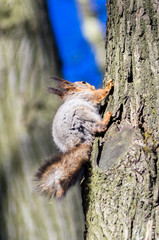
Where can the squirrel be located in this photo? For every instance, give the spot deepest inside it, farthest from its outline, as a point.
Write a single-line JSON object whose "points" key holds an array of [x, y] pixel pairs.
{"points": [[74, 127]]}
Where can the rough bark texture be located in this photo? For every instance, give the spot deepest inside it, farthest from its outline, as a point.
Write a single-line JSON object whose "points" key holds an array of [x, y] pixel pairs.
{"points": [[27, 60], [121, 189]]}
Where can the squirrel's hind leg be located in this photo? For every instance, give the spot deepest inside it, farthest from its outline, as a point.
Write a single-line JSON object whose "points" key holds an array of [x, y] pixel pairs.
{"points": [[102, 125]]}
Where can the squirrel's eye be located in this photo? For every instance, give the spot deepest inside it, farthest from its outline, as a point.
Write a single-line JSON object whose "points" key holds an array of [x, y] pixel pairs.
{"points": [[83, 82]]}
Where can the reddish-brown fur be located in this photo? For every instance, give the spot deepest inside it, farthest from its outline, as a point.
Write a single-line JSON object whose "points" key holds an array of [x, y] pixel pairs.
{"points": [[59, 172], [68, 164]]}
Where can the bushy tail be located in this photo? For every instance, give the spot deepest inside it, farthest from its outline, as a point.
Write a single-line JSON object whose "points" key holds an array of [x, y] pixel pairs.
{"points": [[59, 172]]}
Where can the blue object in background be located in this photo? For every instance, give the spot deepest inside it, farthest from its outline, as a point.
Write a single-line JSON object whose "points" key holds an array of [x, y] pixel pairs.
{"points": [[76, 54], [99, 8]]}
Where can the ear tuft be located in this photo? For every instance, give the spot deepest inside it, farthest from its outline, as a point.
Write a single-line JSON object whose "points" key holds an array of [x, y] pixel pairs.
{"points": [[58, 92], [62, 83]]}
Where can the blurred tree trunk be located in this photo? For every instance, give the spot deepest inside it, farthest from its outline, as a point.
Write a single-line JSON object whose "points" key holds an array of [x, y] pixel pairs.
{"points": [[27, 60], [121, 191]]}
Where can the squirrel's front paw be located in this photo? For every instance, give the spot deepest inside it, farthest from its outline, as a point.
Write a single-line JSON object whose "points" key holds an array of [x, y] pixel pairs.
{"points": [[110, 83]]}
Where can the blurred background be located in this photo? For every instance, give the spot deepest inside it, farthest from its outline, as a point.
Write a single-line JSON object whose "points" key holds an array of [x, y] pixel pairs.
{"points": [[39, 39], [79, 29]]}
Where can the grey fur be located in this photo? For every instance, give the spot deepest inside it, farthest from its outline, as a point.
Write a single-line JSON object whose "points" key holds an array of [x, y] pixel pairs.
{"points": [[75, 123]]}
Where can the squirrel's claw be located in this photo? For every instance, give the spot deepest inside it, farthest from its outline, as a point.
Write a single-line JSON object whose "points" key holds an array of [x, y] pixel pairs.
{"points": [[110, 83]]}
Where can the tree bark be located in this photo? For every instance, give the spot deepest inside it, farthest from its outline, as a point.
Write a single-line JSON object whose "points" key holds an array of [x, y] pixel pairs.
{"points": [[27, 60], [121, 189]]}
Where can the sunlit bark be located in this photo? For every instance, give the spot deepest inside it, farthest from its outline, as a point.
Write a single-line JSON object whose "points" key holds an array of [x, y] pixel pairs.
{"points": [[121, 191]]}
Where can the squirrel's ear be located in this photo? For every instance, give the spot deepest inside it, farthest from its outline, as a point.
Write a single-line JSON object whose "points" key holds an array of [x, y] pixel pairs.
{"points": [[62, 83], [58, 92]]}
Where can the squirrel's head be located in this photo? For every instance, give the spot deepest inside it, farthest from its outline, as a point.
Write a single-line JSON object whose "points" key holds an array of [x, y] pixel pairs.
{"points": [[67, 89]]}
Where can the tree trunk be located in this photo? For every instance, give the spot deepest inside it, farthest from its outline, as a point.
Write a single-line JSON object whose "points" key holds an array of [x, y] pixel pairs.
{"points": [[27, 60], [121, 189]]}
